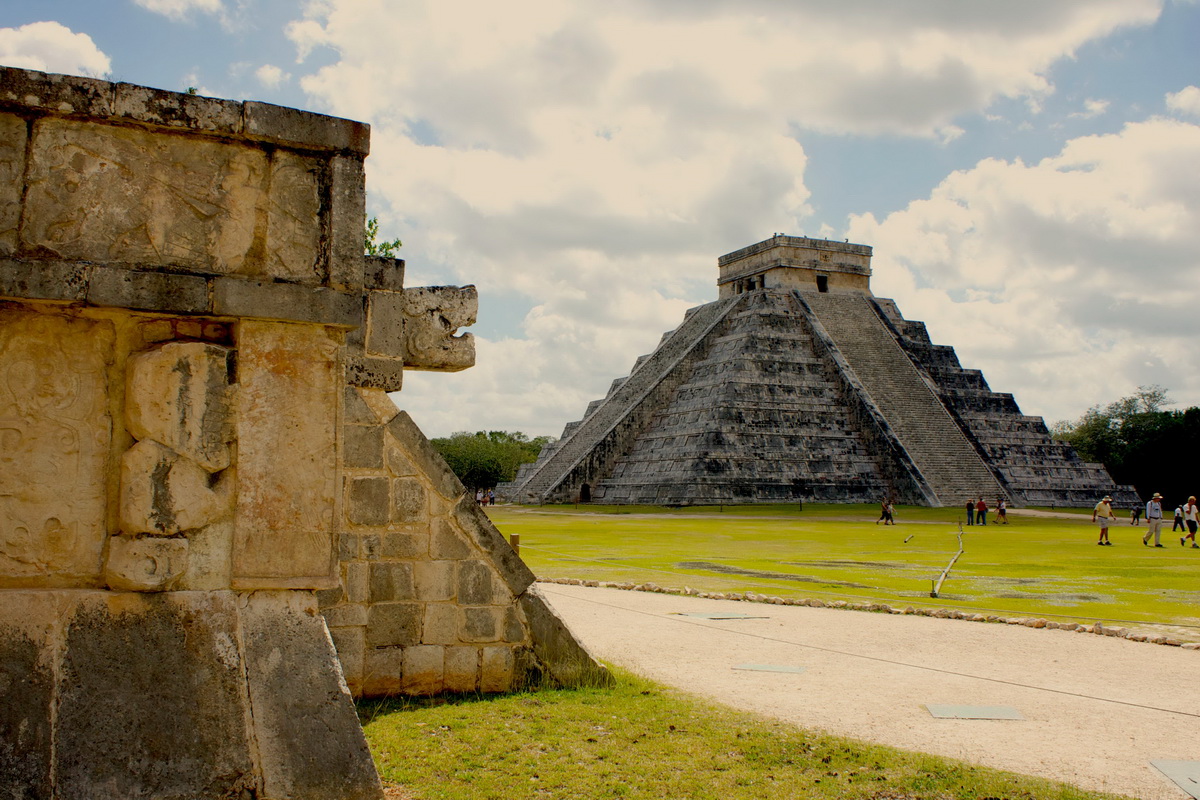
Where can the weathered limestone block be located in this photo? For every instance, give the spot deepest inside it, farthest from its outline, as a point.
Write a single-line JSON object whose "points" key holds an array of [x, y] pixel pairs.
{"points": [[179, 395], [12, 165], [497, 669], [151, 701], [560, 653], [431, 316], [308, 735], [55, 432], [422, 669], [408, 500], [394, 624], [147, 564], [460, 669], [368, 501], [26, 703], [162, 493], [288, 389]]}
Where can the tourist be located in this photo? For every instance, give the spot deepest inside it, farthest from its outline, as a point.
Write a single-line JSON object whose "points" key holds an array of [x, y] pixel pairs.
{"points": [[479, 497], [883, 511], [1136, 516], [971, 511], [491, 497], [1001, 511], [981, 512], [1189, 515], [1153, 519], [890, 513], [1103, 516], [1178, 526]]}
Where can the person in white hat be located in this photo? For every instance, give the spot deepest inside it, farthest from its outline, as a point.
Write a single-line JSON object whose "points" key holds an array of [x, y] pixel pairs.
{"points": [[1154, 520], [1103, 516]]}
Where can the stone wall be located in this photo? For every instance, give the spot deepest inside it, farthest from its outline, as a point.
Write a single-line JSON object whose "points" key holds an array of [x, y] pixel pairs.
{"points": [[198, 455]]}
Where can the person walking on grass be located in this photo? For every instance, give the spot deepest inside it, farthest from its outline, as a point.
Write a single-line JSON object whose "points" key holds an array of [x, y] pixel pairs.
{"points": [[1190, 513], [1001, 512], [1136, 516], [1103, 516], [971, 511], [1178, 526], [1153, 519], [981, 512]]}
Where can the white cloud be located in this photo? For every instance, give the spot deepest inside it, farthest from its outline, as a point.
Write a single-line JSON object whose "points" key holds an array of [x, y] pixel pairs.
{"points": [[1091, 108], [592, 161], [52, 47], [181, 9], [1185, 101], [271, 76], [1071, 281]]}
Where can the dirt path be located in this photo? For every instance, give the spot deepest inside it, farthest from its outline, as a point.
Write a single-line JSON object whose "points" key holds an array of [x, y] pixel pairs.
{"points": [[1096, 709]]}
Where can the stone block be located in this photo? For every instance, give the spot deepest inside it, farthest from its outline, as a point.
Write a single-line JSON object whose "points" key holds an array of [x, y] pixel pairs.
{"points": [[404, 545], [150, 291], [346, 615], [251, 299], [179, 395], [475, 584], [391, 580], [328, 598], [367, 501], [159, 674], [294, 237], [357, 582], [382, 668], [509, 566], [163, 493], [480, 624], [44, 280], [398, 462], [460, 669], [372, 546], [434, 580], [432, 315], [348, 546], [28, 622], [291, 126], [422, 672], [394, 624], [148, 564], [383, 273], [428, 462], [350, 644], [515, 629], [386, 374], [176, 110], [385, 324], [309, 740], [12, 179], [441, 624], [408, 500], [288, 390], [347, 219], [55, 435], [60, 94], [560, 654], [355, 410], [381, 405], [362, 447], [497, 669], [115, 194], [446, 542]]}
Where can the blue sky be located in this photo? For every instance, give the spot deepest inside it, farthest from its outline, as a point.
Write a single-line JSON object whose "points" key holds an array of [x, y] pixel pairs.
{"points": [[1026, 171]]}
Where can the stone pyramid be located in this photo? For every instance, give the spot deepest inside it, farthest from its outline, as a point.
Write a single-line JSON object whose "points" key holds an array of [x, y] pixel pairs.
{"points": [[797, 384]]}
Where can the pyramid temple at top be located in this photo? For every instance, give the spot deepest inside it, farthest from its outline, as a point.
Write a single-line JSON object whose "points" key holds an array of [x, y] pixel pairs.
{"points": [[797, 384]]}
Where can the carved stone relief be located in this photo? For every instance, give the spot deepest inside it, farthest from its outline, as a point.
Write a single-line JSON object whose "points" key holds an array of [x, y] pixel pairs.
{"points": [[54, 440]]}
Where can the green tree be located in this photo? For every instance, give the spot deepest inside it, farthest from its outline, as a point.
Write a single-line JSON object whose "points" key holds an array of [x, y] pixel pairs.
{"points": [[373, 246], [485, 458], [1140, 442]]}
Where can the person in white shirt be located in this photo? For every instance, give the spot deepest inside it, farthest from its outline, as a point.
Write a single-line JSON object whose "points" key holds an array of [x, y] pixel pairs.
{"points": [[1154, 520], [1190, 513]]}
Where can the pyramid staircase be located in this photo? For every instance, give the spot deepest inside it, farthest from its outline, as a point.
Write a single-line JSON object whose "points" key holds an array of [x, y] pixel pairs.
{"points": [[947, 462]]}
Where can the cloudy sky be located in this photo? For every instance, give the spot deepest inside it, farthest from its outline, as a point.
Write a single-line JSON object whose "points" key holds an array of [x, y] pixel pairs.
{"points": [[1028, 172]]}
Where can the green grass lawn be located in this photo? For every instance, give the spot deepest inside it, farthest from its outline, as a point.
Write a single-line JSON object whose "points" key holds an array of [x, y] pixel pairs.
{"points": [[640, 740], [1035, 566]]}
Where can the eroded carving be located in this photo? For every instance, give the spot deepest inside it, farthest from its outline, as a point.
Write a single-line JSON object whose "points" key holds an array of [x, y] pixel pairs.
{"points": [[432, 314], [54, 438]]}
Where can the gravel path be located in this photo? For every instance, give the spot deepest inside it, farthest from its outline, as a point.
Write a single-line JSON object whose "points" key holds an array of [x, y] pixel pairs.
{"points": [[1096, 709]]}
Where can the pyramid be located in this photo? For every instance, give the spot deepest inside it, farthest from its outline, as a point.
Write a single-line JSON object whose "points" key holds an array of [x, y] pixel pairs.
{"points": [[799, 385]]}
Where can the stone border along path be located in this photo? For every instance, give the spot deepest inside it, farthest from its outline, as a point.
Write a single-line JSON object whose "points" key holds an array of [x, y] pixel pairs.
{"points": [[883, 608], [1097, 709]]}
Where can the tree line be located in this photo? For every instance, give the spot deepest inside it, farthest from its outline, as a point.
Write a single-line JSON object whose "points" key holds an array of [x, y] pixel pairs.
{"points": [[485, 458], [1140, 442]]}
